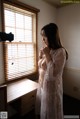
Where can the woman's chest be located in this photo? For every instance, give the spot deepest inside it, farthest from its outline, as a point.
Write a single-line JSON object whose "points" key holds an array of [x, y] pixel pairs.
{"points": [[42, 63]]}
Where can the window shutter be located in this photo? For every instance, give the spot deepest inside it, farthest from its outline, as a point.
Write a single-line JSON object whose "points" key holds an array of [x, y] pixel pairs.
{"points": [[20, 54]]}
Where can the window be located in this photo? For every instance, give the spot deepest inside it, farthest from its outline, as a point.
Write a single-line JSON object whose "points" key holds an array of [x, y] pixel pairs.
{"points": [[20, 54]]}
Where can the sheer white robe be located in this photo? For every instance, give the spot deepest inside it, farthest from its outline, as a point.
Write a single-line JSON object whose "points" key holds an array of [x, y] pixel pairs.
{"points": [[49, 99]]}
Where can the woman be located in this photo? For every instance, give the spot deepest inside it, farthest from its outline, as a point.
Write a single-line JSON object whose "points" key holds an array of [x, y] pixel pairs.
{"points": [[52, 59]]}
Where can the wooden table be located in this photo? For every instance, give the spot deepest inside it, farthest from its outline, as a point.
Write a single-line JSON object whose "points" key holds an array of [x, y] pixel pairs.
{"points": [[23, 91], [20, 88]]}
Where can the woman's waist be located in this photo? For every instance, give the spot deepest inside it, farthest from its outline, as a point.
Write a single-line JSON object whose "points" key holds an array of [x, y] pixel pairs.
{"points": [[41, 72]]}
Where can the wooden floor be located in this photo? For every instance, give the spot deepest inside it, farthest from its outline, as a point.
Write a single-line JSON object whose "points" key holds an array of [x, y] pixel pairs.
{"points": [[71, 106]]}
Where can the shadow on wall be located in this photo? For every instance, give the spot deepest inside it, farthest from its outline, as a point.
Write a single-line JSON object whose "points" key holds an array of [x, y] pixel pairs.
{"points": [[71, 82]]}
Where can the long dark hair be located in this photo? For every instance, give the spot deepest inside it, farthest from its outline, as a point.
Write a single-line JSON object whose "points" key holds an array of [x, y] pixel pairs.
{"points": [[51, 30]]}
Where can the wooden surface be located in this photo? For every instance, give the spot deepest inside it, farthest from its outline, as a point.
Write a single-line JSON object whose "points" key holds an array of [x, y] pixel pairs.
{"points": [[28, 102], [3, 98], [20, 88]]}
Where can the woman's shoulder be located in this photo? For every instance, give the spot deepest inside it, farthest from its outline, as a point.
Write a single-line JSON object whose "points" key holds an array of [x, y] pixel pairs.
{"points": [[59, 50], [62, 49]]}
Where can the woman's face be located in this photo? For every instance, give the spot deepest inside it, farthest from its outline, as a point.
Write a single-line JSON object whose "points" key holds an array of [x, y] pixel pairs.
{"points": [[44, 38]]}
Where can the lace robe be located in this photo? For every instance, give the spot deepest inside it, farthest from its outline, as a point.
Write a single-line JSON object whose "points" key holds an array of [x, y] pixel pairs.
{"points": [[49, 99]]}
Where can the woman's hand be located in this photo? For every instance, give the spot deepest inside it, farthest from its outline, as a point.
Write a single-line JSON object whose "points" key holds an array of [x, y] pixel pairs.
{"points": [[40, 53], [46, 50]]}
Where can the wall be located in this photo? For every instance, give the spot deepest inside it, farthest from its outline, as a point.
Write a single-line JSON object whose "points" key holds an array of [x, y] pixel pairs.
{"points": [[68, 20], [1, 55], [47, 14]]}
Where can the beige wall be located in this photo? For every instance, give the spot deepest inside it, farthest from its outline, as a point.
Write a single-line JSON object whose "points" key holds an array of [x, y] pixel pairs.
{"points": [[68, 20]]}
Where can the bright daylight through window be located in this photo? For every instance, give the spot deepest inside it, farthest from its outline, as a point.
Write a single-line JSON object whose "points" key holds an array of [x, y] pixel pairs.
{"points": [[20, 54]]}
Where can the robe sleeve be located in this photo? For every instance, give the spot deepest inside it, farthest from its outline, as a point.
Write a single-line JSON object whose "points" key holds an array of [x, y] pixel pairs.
{"points": [[56, 65]]}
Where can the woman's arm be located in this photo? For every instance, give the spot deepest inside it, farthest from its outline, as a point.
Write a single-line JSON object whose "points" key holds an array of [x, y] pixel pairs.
{"points": [[46, 51], [55, 65], [40, 54]]}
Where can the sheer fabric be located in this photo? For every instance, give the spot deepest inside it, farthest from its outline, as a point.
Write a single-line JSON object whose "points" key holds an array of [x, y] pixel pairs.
{"points": [[49, 99]]}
